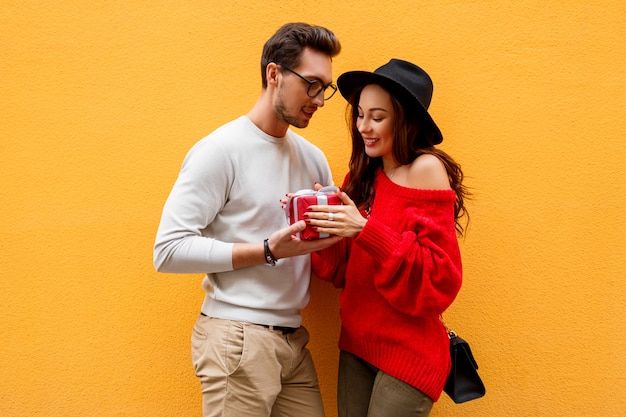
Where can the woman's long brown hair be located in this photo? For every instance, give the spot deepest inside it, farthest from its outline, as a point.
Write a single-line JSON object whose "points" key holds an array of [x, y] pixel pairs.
{"points": [[408, 144]]}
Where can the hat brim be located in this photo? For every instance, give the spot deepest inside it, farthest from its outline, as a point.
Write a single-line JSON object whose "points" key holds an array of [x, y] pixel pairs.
{"points": [[351, 82]]}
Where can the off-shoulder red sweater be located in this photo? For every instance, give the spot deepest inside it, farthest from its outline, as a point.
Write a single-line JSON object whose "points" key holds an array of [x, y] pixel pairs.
{"points": [[397, 276]]}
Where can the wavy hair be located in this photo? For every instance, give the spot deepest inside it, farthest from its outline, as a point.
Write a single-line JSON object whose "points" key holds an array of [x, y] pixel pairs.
{"points": [[410, 141]]}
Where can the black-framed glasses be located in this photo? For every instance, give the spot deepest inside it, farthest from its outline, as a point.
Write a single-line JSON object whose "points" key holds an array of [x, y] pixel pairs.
{"points": [[316, 86]]}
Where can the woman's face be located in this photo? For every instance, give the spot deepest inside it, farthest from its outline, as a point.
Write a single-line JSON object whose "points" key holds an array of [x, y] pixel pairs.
{"points": [[375, 122]]}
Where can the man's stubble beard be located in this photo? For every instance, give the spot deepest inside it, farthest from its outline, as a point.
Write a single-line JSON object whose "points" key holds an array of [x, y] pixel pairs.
{"points": [[282, 113]]}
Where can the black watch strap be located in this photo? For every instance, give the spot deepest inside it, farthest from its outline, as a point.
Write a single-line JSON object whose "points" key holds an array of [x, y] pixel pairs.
{"points": [[269, 258]]}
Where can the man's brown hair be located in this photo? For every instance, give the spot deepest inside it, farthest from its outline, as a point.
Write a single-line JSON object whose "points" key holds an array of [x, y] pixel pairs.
{"points": [[285, 47]]}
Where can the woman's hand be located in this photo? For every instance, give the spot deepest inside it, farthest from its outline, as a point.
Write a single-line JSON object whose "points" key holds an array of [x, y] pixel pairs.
{"points": [[345, 220]]}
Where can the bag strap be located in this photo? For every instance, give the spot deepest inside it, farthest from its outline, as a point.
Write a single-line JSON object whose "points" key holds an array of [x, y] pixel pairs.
{"points": [[451, 333]]}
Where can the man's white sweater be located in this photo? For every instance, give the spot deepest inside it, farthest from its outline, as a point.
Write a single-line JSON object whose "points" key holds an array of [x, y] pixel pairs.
{"points": [[228, 191]]}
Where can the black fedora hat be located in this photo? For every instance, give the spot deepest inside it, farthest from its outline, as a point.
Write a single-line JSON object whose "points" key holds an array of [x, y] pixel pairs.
{"points": [[405, 81]]}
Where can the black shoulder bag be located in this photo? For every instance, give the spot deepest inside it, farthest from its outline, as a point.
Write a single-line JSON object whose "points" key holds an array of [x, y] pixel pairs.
{"points": [[464, 383]]}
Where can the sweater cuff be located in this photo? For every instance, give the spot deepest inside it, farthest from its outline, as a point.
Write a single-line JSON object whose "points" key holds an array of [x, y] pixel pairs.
{"points": [[378, 239], [329, 264]]}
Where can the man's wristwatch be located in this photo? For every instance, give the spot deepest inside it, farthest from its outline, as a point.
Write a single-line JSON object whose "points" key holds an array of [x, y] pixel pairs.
{"points": [[269, 258]]}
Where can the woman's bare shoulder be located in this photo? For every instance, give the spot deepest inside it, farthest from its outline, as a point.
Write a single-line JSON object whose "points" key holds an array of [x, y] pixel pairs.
{"points": [[428, 172]]}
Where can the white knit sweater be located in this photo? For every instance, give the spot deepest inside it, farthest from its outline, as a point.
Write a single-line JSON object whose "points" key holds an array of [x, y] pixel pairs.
{"points": [[228, 191]]}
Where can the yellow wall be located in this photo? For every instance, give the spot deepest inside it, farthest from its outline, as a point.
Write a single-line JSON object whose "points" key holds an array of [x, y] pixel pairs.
{"points": [[100, 100]]}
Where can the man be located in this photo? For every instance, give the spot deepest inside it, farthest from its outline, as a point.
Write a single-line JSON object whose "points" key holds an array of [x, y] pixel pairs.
{"points": [[223, 218]]}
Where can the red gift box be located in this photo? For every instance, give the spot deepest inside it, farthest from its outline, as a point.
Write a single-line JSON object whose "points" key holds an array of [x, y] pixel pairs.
{"points": [[301, 200]]}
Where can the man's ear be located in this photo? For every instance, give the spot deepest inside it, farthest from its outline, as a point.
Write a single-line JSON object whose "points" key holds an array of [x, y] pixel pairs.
{"points": [[271, 74]]}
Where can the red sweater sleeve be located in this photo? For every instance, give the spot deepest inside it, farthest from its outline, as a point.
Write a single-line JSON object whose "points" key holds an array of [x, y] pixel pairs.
{"points": [[416, 259], [330, 264]]}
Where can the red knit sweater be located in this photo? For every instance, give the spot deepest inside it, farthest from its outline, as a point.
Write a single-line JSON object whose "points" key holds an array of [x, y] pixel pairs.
{"points": [[398, 275]]}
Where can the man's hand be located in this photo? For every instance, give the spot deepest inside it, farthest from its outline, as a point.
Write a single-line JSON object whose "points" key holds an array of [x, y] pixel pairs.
{"points": [[284, 243]]}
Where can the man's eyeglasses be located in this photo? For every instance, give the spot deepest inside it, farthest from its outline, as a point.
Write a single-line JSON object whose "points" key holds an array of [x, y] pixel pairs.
{"points": [[316, 86]]}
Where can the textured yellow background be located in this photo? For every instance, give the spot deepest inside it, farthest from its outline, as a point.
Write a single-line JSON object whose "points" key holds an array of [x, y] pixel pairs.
{"points": [[100, 101]]}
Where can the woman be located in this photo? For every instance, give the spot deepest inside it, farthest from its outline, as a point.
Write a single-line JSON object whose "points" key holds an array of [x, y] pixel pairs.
{"points": [[400, 266]]}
